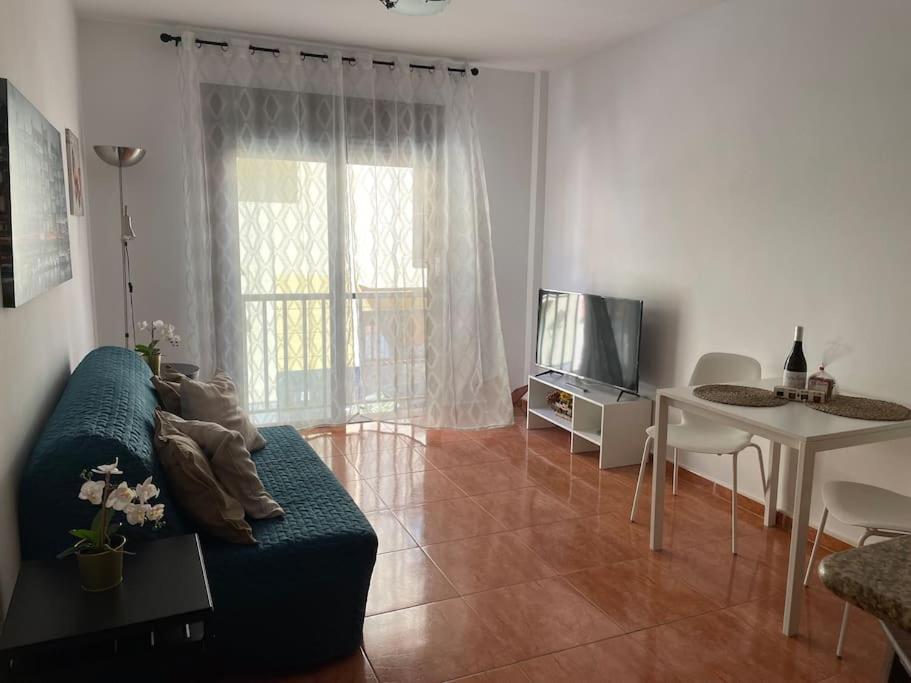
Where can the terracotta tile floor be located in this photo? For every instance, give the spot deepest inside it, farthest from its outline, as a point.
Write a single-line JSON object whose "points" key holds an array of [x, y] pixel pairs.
{"points": [[504, 559]]}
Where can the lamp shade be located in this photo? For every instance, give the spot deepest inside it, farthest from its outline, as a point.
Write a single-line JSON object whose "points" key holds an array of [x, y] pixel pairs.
{"points": [[124, 157]]}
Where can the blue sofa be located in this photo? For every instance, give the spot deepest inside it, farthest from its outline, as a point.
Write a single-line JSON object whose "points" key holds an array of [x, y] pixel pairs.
{"points": [[296, 598]]}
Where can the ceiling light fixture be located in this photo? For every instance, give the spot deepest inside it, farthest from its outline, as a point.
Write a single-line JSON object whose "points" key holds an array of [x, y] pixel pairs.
{"points": [[416, 8]]}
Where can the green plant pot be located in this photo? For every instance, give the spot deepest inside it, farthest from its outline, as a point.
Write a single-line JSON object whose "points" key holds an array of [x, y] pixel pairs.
{"points": [[101, 571], [154, 362]]}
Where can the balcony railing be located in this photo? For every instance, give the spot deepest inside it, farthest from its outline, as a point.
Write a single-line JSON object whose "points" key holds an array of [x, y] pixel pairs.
{"points": [[291, 353]]}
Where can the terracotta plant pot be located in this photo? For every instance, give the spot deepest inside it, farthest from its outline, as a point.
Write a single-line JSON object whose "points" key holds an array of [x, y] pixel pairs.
{"points": [[101, 571]]}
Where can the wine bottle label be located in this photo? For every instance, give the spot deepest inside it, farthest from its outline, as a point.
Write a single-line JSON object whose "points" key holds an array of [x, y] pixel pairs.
{"points": [[795, 380]]}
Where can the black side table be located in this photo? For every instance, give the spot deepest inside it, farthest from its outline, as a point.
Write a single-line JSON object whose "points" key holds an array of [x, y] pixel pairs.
{"points": [[164, 586], [188, 369]]}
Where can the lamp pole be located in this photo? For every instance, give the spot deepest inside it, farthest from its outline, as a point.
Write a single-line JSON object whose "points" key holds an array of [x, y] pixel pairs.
{"points": [[123, 157]]}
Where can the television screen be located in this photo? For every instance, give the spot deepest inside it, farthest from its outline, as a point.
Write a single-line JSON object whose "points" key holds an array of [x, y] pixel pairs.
{"points": [[591, 337]]}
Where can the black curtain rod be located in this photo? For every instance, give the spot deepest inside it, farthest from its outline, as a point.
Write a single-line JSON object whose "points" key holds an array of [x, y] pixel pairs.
{"points": [[168, 38]]}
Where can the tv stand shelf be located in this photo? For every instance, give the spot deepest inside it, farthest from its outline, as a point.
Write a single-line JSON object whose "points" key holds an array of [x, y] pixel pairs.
{"points": [[604, 419]]}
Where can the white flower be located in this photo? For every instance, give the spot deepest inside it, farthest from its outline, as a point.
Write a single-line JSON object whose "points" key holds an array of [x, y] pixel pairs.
{"points": [[158, 325], [136, 514], [144, 325], [108, 469], [92, 491], [146, 491], [170, 330], [121, 497], [155, 513]]}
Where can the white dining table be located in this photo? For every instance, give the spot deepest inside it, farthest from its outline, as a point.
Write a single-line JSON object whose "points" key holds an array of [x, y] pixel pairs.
{"points": [[795, 425]]}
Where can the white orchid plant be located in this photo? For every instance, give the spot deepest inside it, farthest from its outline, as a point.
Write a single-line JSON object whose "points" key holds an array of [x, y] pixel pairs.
{"points": [[134, 503], [158, 331]]}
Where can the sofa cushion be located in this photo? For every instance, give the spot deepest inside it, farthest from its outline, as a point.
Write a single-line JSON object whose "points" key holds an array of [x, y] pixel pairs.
{"points": [[217, 401], [232, 465], [168, 389], [310, 571], [197, 491], [106, 411]]}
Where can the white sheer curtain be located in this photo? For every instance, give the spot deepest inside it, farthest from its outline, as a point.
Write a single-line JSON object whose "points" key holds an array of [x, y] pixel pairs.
{"points": [[338, 238]]}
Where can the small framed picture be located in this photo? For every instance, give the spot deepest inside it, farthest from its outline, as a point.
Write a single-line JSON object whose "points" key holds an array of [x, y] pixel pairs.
{"points": [[74, 175]]}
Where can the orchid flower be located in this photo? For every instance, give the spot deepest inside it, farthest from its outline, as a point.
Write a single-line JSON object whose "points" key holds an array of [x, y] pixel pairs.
{"points": [[155, 513], [92, 491], [108, 469], [120, 497], [159, 330], [136, 513], [146, 491], [133, 503]]}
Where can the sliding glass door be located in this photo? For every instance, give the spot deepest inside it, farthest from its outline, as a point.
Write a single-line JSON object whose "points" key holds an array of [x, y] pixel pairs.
{"points": [[333, 290]]}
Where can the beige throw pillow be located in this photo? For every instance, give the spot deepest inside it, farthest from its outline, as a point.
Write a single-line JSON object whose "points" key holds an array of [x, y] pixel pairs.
{"points": [[194, 485], [216, 401], [168, 388], [233, 466]]}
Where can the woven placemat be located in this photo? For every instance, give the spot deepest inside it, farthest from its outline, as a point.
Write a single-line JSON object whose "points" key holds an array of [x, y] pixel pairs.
{"points": [[736, 395], [863, 409]]}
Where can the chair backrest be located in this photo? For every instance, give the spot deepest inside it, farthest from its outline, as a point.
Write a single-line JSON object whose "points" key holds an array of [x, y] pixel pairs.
{"points": [[716, 368]]}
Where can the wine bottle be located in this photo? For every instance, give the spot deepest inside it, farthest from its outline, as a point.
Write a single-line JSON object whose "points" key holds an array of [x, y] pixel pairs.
{"points": [[795, 367]]}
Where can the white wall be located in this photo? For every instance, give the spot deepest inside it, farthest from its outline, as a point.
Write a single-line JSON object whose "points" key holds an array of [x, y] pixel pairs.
{"points": [[743, 170], [130, 98], [505, 102], [41, 341], [130, 92]]}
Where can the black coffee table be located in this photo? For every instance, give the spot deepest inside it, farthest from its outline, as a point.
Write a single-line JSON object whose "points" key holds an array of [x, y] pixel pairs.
{"points": [[164, 587]]}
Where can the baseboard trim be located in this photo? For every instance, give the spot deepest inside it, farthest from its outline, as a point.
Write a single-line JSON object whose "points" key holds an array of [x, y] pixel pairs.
{"points": [[782, 519]]}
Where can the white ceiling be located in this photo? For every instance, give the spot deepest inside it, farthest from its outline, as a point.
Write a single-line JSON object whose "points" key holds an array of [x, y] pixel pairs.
{"points": [[531, 34]]}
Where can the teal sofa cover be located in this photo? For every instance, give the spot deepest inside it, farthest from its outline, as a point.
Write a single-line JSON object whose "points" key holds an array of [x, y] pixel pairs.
{"points": [[296, 598]]}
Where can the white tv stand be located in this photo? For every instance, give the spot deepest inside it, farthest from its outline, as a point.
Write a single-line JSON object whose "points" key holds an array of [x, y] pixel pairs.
{"points": [[615, 428]]}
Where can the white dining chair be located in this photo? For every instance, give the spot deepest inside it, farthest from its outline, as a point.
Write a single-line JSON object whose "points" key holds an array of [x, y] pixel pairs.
{"points": [[702, 435], [879, 512]]}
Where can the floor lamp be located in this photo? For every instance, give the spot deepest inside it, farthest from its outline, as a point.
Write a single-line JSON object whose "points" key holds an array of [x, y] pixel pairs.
{"points": [[124, 157]]}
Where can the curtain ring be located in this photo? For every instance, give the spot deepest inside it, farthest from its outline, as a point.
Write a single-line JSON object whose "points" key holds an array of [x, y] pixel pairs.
{"points": [[325, 59], [252, 51], [224, 48], [392, 66]]}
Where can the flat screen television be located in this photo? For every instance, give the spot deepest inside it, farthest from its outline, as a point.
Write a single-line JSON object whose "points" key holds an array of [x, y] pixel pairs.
{"points": [[590, 337]]}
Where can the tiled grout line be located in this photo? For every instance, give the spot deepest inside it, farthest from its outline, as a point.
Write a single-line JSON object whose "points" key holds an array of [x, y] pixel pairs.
{"points": [[550, 495], [729, 609], [552, 652], [457, 596], [404, 528], [471, 498], [563, 576]]}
